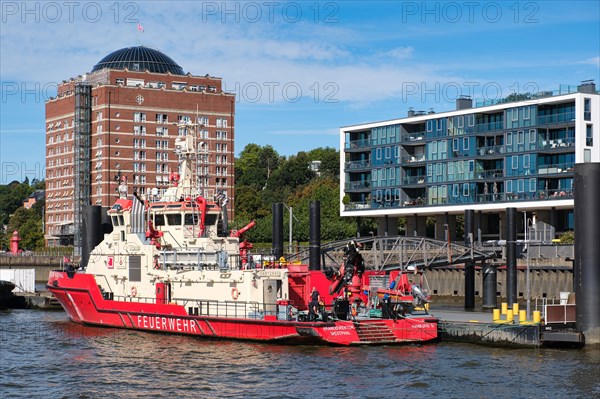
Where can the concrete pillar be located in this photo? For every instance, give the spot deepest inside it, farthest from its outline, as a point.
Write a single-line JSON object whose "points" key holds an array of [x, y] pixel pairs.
{"points": [[416, 226], [387, 226], [440, 228]]}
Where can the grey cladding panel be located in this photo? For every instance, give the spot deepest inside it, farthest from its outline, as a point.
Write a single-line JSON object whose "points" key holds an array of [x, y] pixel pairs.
{"points": [[135, 268]]}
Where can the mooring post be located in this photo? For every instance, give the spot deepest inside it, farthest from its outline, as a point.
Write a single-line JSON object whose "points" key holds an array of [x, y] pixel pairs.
{"points": [[511, 255], [470, 264], [586, 270]]}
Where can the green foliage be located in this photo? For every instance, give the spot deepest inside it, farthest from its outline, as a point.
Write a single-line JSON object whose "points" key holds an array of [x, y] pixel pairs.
{"points": [[28, 222], [567, 237], [11, 198], [29, 225], [264, 178], [254, 166]]}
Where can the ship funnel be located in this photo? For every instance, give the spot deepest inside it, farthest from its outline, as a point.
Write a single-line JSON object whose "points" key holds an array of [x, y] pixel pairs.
{"points": [[92, 231]]}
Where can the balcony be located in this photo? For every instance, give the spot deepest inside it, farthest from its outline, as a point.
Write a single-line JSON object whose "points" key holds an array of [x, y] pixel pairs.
{"points": [[417, 137], [413, 158], [358, 145], [357, 206], [557, 143], [556, 118], [358, 185], [490, 174], [354, 165], [556, 168], [492, 150], [489, 126], [412, 180]]}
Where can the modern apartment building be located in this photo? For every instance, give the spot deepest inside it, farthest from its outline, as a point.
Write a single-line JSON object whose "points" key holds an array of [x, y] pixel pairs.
{"points": [[518, 153], [120, 121]]}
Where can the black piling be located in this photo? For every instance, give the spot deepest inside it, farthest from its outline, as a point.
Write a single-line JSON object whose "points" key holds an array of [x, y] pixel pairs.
{"points": [[490, 286], [315, 236], [278, 230], [511, 255], [586, 270], [93, 233], [470, 264]]}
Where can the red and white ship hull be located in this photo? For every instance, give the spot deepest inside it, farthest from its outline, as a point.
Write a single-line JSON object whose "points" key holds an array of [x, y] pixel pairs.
{"points": [[79, 295]]}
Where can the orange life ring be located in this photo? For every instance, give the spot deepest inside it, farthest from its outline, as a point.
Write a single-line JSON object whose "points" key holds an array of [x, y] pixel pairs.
{"points": [[133, 291], [235, 294]]}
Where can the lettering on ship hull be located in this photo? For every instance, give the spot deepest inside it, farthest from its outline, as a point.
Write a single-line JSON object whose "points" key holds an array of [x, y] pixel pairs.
{"points": [[162, 323]]}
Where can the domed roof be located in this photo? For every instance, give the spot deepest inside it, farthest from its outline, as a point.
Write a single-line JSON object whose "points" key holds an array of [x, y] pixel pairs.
{"points": [[139, 58]]}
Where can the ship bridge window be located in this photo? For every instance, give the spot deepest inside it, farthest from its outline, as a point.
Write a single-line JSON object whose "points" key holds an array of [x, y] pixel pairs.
{"points": [[190, 219], [115, 221], [211, 219], [174, 219], [159, 220]]}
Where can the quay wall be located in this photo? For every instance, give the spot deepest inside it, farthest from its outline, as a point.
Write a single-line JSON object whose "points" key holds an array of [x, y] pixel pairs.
{"points": [[42, 264], [544, 282]]}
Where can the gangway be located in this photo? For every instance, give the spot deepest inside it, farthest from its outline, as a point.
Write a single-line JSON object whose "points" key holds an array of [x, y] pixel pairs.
{"points": [[400, 253]]}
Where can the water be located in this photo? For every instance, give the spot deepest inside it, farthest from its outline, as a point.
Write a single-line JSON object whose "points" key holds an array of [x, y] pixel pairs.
{"points": [[43, 355]]}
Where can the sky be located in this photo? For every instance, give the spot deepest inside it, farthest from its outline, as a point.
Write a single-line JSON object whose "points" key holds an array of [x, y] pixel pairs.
{"points": [[300, 69]]}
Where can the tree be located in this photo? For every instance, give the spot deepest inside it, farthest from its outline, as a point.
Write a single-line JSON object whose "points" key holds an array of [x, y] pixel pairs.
{"points": [[28, 223], [293, 173], [255, 166], [330, 160], [11, 198]]}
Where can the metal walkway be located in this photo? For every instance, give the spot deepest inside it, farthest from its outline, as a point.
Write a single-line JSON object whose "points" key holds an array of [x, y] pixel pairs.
{"points": [[401, 253]]}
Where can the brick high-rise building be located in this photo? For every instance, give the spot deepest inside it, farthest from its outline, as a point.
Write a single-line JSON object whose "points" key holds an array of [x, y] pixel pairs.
{"points": [[122, 119]]}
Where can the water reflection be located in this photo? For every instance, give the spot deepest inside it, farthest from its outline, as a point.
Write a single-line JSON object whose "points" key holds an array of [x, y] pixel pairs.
{"points": [[44, 355]]}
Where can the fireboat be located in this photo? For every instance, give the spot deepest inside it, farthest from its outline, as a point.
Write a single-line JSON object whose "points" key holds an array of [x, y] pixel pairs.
{"points": [[170, 266]]}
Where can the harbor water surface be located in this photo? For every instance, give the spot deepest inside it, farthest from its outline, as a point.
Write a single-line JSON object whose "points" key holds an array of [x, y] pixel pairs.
{"points": [[44, 355]]}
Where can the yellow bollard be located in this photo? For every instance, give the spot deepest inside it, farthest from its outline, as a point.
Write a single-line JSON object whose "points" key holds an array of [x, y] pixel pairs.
{"points": [[537, 316], [509, 317], [515, 309], [504, 307], [522, 316], [496, 315]]}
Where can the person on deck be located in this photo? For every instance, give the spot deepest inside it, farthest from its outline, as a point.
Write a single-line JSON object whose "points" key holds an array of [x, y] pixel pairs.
{"points": [[313, 305]]}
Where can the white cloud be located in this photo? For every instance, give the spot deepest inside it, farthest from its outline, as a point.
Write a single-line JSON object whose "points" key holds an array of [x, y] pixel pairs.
{"points": [[595, 61]]}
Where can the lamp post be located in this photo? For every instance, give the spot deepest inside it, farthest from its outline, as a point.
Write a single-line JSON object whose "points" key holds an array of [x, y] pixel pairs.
{"points": [[289, 208]]}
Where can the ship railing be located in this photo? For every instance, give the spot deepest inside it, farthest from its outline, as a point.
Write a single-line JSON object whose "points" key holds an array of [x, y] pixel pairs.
{"points": [[236, 309]]}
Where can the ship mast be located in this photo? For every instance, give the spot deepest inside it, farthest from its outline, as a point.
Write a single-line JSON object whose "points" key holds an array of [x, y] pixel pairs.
{"points": [[186, 183]]}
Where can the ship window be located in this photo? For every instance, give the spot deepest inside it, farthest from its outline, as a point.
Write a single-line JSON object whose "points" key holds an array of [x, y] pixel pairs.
{"points": [[174, 219], [211, 219], [159, 220], [190, 219], [115, 221], [121, 221]]}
